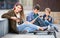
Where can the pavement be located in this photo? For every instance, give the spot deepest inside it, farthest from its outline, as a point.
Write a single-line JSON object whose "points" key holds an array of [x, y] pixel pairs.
{"points": [[31, 35], [27, 36]]}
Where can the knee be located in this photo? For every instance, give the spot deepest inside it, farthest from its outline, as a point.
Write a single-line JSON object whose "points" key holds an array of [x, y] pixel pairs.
{"points": [[25, 31]]}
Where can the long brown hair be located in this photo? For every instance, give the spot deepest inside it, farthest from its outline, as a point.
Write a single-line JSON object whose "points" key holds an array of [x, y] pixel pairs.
{"points": [[22, 16]]}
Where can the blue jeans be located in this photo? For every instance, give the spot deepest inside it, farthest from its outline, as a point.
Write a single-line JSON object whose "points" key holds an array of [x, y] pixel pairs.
{"points": [[41, 22], [46, 23], [28, 27], [53, 25]]}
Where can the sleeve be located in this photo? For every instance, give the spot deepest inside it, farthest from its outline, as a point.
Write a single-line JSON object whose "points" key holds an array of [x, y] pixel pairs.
{"points": [[43, 17], [28, 18], [51, 21], [6, 15]]}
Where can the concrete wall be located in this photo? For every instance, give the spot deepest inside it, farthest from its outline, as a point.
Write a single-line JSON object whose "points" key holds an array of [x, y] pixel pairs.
{"points": [[3, 27]]}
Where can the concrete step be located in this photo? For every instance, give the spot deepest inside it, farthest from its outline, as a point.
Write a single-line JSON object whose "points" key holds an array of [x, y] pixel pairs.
{"points": [[27, 36]]}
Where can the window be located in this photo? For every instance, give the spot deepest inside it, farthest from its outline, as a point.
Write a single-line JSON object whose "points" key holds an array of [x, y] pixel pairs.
{"points": [[7, 4]]}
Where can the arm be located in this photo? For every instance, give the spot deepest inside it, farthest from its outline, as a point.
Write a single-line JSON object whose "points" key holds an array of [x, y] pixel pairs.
{"points": [[6, 15], [33, 21], [9, 15], [50, 20], [29, 18]]}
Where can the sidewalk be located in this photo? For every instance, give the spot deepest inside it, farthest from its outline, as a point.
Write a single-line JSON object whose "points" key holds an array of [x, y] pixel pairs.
{"points": [[27, 36], [31, 35]]}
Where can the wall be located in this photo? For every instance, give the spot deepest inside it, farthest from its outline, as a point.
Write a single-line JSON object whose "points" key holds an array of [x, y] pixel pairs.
{"points": [[53, 4]]}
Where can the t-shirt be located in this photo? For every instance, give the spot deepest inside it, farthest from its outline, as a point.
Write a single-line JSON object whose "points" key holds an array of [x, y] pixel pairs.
{"points": [[35, 15], [18, 16]]}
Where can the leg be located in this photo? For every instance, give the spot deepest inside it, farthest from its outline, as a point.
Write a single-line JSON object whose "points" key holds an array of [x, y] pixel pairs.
{"points": [[33, 26], [23, 26], [28, 29], [55, 27], [43, 23]]}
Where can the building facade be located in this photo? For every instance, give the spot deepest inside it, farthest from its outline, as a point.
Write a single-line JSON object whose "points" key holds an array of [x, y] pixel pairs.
{"points": [[28, 4], [52, 4], [8, 4]]}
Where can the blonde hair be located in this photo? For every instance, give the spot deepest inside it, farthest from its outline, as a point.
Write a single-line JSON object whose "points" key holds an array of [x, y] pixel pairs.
{"points": [[48, 9]]}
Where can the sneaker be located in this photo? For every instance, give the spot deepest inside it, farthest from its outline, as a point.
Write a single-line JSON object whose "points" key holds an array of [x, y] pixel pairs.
{"points": [[56, 29]]}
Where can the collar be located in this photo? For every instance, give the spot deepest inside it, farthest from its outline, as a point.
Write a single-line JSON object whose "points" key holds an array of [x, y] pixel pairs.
{"points": [[33, 13]]}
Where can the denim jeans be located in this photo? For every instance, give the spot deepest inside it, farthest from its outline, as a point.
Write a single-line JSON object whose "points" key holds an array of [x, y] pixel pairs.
{"points": [[28, 27], [46, 24], [41, 22]]}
